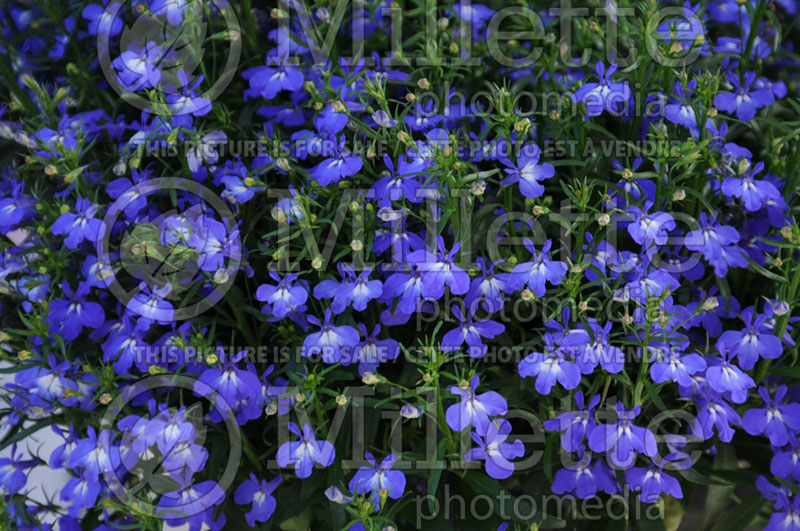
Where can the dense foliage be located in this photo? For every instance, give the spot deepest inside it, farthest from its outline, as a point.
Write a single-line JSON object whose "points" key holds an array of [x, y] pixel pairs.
{"points": [[400, 265]]}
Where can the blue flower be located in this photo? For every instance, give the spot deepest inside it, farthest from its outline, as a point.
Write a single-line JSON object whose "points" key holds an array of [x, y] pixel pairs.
{"points": [[234, 386], [574, 426], [776, 420], [724, 377], [470, 332], [743, 101], [305, 452], [379, 477], [605, 94], [15, 208], [333, 169], [534, 274], [652, 481], [371, 352], [474, 409], [70, 315], [12, 471], [710, 238], [494, 451], [623, 439], [79, 227], [670, 364], [551, 366], [646, 229], [528, 172], [81, 493], [260, 495], [284, 296], [786, 463], [714, 412], [330, 340], [599, 351], [752, 342], [753, 193], [489, 288], [267, 81], [585, 479], [100, 22]]}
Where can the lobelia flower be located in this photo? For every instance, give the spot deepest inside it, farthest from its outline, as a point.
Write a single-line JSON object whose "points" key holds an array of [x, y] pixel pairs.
{"points": [[12, 471], [305, 452], [670, 364], [237, 183], [678, 111], [652, 481], [205, 150], [494, 451], [528, 172], [470, 332], [713, 411], [284, 296], [785, 463], [122, 345], [574, 426], [724, 377], [786, 513], [534, 274], [646, 229], [267, 81], [15, 208], [231, 384], [379, 477], [70, 315], [776, 421], [171, 9], [354, 289], [335, 495], [550, 367], [397, 184], [100, 21], [489, 288], [752, 342], [473, 409], [441, 268], [743, 101], [79, 227], [753, 193], [342, 164], [260, 495], [371, 352], [138, 66], [410, 412], [605, 94], [383, 119], [95, 454], [81, 493], [411, 288], [330, 340], [599, 351], [710, 238], [623, 439], [192, 504], [585, 479], [150, 304]]}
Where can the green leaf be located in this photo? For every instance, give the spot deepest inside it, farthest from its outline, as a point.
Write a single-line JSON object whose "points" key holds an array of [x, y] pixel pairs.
{"points": [[741, 516], [436, 473]]}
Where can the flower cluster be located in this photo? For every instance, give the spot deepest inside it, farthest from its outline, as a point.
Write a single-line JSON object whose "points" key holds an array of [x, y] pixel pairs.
{"points": [[335, 258]]}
